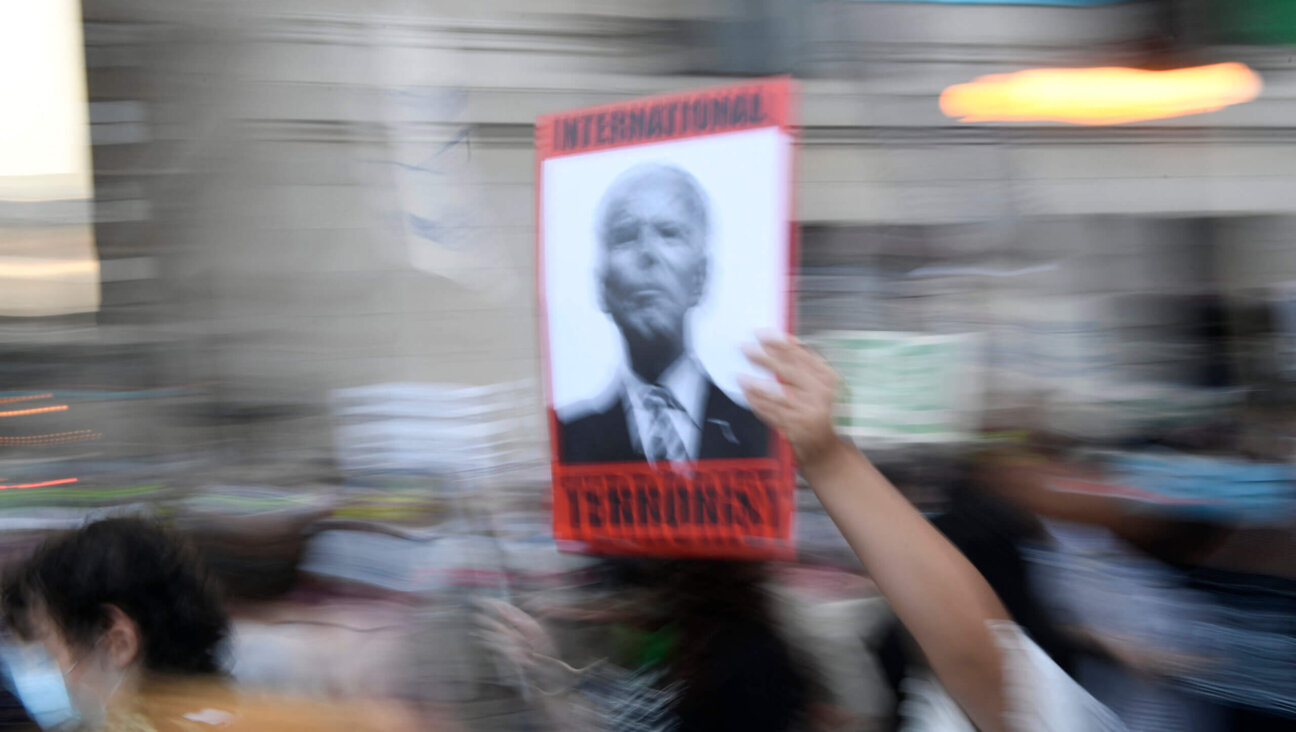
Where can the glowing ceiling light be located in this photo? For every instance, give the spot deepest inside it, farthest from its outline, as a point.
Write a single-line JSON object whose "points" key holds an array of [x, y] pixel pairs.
{"points": [[1100, 96]]}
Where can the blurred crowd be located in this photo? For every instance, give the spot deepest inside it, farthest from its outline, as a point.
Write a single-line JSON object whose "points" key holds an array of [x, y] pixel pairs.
{"points": [[272, 441]]}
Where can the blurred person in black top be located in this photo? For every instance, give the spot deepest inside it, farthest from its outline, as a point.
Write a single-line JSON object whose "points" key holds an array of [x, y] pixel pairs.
{"points": [[705, 654], [736, 669]]}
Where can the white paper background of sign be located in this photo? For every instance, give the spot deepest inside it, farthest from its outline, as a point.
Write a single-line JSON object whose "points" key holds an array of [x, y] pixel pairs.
{"points": [[746, 176]]}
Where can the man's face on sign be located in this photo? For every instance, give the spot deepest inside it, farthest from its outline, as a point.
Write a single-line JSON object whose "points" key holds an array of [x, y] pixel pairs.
{"points": [[654, 262]]}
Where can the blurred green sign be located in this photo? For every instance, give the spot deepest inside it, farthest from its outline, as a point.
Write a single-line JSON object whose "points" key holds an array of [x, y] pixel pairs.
{"points": [[908, 387]]}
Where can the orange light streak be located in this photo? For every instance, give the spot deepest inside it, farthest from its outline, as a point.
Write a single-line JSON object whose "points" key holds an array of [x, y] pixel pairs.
{"points": [[28, 398], [37, 410], [25, 486]]}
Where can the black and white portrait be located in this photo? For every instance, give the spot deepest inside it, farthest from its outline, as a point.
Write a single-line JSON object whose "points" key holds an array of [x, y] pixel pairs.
{"points": [[660, 262]]}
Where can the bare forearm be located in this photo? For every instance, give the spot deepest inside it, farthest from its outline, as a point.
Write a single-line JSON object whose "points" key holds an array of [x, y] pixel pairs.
{"points": [[939, 596], [934, 590]]}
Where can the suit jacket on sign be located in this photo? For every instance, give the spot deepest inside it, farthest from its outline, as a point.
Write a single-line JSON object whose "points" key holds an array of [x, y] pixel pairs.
{"points": [[728, 432]]}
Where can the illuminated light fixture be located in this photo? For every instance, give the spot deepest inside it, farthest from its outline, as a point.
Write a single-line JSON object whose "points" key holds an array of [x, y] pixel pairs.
{"points": [[37, 410], [27, 398], [38, 268], [1100, 96], [25, 486]]}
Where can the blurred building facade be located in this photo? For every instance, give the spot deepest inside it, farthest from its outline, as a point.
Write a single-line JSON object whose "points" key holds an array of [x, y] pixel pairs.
{"points": [[300, 196]]}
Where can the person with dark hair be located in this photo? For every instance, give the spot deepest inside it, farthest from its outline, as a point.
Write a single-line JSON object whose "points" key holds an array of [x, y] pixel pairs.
{"points": [[702, 651], [125, 632], [115, 603], [736, 668]]}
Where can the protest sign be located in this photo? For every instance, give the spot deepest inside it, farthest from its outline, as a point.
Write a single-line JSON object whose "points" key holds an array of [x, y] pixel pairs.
{"points": [[665, 242]]}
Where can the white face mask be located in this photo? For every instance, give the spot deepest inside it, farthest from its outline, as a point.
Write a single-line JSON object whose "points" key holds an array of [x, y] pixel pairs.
{"points": [[90, 702], [35, 678]]}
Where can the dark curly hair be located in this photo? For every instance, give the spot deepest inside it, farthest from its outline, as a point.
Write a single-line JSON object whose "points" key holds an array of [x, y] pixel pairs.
{"points": [[141, 569]]}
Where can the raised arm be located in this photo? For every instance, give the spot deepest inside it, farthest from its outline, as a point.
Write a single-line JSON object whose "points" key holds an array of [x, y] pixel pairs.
{"points": [[938, 595]]}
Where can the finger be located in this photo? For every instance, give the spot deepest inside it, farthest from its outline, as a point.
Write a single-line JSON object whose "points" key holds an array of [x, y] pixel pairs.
{"points": [[820, 367], [773, 410], [775, 362], [770, 334], [501, 643], [757, 354], [815, 371], [508, 612], [512, 653], [495, 627], [488, 605], [540, 604], [496, 623], [770, 416], [798, 354], [787, 359], [770, 390], [497, 640]]}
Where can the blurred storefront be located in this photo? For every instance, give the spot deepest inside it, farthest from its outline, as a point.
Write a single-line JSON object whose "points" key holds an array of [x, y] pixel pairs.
{"points": [[328, 196]]}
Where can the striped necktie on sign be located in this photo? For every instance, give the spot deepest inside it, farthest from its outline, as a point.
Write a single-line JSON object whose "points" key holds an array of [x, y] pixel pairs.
{"points": [[663, 441]]}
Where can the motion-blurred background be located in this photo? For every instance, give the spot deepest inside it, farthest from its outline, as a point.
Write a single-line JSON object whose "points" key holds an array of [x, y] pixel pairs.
{"points": [[285, 298]]}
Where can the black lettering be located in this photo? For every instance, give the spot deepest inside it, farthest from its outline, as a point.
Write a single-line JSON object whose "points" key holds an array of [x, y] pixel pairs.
{"points": [[586, 121], [738, 111], [602, 125], [614, 507], [654, 121], [649, 501], [618, 126], [670, 117], [752, 515], [726, 513], [670, 509], [627, 506], [592, 502], [571, 486], [652, 511], [700, 120], [712, 505], [682, 501], [704, 503], [720, 111], [757, 114], [620, 504], [635, 124], [570, 132]]}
